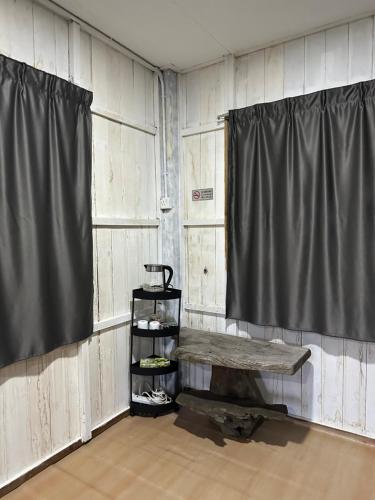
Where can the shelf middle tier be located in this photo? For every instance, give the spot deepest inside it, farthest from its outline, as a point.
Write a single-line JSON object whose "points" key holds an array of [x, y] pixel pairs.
{"points": [[165, 332], [136, 369]]}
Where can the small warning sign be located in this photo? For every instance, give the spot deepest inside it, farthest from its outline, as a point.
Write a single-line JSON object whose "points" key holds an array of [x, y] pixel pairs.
{"points": [[202, 194]]}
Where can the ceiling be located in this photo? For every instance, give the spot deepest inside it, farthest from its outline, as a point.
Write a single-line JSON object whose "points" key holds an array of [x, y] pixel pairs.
{"points": [[180, 34]]}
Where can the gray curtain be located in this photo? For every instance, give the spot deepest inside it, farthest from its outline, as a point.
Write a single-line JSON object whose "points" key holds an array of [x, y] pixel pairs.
{"points": [[46, 277], [301, 213]]}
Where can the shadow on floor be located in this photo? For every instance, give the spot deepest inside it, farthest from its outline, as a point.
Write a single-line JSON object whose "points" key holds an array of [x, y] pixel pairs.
{"points": [[271, 432]]}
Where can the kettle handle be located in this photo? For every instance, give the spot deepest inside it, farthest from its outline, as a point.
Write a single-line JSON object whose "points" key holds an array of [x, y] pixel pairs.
{"points": [[170, 270]]}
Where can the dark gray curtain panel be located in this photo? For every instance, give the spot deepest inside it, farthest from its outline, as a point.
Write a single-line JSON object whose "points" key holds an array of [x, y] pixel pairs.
{"points": [[46, 277], [301, 213]]}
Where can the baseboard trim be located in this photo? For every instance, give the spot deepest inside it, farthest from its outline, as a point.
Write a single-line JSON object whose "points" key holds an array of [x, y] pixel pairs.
{"points": [[15, 483]]}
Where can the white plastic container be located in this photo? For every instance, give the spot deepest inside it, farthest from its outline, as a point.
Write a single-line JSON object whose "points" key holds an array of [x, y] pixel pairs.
{"points": [[142, 324]]}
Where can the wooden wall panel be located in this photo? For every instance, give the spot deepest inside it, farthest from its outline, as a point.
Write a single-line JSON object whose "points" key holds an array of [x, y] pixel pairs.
{"points": [[333, 386], [41, 398], [125, 187]]}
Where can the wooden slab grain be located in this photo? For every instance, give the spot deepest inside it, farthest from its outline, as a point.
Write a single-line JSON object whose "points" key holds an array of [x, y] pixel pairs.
{"points": [[218, 349]]}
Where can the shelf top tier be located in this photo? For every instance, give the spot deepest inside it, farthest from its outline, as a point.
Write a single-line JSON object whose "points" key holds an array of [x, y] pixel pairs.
{"points": [[169, 294]]}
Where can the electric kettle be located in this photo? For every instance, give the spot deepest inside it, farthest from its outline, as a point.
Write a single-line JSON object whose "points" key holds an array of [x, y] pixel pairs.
{"points": [[156, 279]]}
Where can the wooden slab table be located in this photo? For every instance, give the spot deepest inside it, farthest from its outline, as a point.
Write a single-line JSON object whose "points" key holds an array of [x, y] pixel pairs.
{"points": [[234, 401]]}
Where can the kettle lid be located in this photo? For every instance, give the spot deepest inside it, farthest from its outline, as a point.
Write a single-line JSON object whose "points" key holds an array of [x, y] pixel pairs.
{"points": [[154, 268]]}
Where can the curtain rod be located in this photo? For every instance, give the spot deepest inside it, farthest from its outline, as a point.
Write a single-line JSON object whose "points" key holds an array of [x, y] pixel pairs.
{"points": [[223, 116]]}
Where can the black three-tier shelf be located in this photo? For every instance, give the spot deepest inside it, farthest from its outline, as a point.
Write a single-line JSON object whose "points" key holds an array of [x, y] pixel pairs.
{"points": [[143, 409]]}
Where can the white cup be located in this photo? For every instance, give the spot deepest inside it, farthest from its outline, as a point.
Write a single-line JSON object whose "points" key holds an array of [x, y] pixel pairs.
{"points": [[142, 324], [154, 325]]}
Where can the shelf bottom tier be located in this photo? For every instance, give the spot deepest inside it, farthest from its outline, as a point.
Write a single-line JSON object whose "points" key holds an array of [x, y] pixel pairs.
{"points": [[145, 410]]}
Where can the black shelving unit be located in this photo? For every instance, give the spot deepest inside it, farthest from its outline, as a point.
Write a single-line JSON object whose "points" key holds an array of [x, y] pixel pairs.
{"points": [[148, 410]]}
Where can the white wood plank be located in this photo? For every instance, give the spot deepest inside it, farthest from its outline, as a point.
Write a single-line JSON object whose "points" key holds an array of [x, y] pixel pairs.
{"points": [[315, 62], [192, 174], [332, 381], [139, 92], [85, 69], [231, 327], [360, 50], [225, 94], [121, 374], [6, 14], [38, 397], [312, 378], [96, 381], [192, 83], [103, 176], [107, 361], [44, 40], [208, 241], [294, 67], [61, 47], [272, 384], [208, 94], [354, 393], [207, 208], [127, 104], [121, 289], [114, 61], [241, 81], [370, 393], [292, 384], [115, 169], [71, 373], [3, 449], [105, 274], [220, 271], [255, 78], [64, 396], [219, 194], [17, 448], [274, 73], [337, 56], [193, 249], [99, 74], [149, 96], [20, 31], [255, 331], [243, 329]]}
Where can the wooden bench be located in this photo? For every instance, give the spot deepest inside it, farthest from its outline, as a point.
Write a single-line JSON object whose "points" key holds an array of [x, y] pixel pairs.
{"points": [[234, 401]]}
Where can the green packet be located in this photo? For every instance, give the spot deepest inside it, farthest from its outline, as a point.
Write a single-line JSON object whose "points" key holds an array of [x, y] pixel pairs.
{"points": [[154, 362]]}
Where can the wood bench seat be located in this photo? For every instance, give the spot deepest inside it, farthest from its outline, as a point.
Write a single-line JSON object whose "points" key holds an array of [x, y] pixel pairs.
{"points": [[220, 349], [234, 402]]}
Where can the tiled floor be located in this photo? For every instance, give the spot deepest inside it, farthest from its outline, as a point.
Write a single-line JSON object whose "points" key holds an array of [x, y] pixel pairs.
{"points": [[179, 457]]}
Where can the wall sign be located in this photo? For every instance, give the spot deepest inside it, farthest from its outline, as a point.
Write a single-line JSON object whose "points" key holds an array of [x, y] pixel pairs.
{"points": [[202, 194]]}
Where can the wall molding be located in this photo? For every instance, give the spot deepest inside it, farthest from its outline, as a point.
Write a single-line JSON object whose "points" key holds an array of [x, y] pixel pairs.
{"points": [[212, 309], [116, 118], [202, 129], [105, 324], [204, 222], [124, 222]]}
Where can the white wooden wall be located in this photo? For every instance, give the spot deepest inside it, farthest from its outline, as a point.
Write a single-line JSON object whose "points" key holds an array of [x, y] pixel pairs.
{"points": [[41, 399], [335, 387]]}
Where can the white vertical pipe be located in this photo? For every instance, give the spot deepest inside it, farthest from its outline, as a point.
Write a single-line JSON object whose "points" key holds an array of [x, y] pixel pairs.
{"points": [[164, 166]]}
